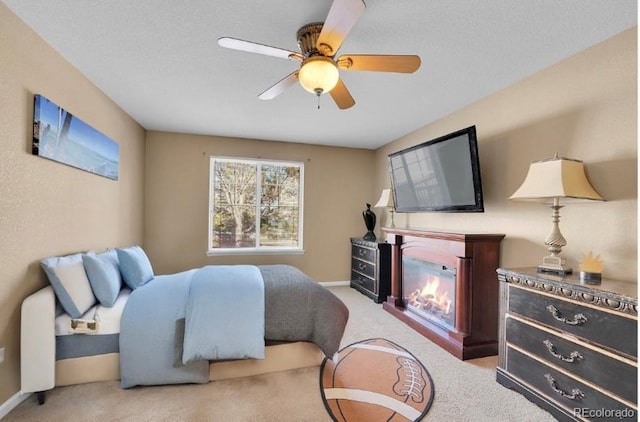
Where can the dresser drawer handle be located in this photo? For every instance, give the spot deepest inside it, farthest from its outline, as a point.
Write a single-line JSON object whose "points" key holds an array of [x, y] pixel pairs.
{"points": [[573, 356], [362, 266], [362, 252], [578, 319], [574, 395]]}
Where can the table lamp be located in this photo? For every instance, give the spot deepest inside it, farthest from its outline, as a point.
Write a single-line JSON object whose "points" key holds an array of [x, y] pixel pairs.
{"points": [[547, 181]]}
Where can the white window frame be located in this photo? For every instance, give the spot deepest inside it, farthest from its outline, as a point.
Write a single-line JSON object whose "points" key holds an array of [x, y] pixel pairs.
{"points": [[257, 250]]}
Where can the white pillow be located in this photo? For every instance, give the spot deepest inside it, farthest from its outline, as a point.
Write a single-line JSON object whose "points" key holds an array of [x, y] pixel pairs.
{"points": [[70, 283]]}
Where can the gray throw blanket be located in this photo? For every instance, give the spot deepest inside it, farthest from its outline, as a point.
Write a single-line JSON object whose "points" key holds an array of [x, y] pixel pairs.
{"points": [[296, 309]]}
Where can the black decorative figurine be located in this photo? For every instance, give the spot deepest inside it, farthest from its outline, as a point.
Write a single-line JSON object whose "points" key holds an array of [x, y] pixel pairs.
{"points": [[370, 222]]}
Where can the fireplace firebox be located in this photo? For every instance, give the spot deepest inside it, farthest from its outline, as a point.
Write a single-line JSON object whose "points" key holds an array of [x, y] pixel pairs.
{"points": [[444, 285], [429, 290]]}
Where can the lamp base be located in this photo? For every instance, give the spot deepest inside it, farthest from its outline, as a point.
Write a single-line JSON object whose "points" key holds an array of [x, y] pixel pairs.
{"points": [[554, 264]]}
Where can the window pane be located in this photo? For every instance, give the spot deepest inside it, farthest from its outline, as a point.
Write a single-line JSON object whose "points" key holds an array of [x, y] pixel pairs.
{"points": [[234, 204], [279, 226], [279, 205]]}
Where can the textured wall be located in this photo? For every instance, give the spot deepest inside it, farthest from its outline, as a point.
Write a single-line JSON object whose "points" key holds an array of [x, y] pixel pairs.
{"points": [[337, 186], [584, 107], [47, 208]]}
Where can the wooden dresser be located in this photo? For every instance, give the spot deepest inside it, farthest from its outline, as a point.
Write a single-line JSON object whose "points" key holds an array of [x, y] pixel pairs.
{"points": [[371, 268], [569, 347]]}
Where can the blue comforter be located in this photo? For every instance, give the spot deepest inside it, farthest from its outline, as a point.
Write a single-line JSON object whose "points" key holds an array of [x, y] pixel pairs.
{"points": [[168, 329], [224, 317]]}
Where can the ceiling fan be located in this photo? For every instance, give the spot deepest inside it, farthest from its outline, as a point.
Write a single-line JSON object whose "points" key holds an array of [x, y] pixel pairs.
{"points": [[318, 43]]}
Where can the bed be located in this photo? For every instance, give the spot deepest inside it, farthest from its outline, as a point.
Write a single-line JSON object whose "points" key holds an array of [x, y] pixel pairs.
{"points": [[146, 335]]}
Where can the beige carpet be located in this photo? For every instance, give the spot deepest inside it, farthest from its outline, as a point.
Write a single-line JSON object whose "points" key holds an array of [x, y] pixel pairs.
{"points": [[464, 391]]}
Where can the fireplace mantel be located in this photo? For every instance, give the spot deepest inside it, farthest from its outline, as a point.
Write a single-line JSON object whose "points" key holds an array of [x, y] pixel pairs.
{"points": [[475, 257]]}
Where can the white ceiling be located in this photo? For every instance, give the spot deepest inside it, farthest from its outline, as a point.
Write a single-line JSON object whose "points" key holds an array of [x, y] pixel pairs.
{"points": [[160, 61]]}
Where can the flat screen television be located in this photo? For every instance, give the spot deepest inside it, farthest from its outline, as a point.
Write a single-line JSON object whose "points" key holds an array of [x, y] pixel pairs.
{"points": [[440, 175]]}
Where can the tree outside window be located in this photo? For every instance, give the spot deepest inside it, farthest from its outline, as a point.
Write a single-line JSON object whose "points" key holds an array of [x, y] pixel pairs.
{"points": [[255, 205]]}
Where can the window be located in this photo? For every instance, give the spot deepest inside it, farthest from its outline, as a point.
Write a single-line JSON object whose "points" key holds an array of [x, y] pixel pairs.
{"points": [[255, 206]]}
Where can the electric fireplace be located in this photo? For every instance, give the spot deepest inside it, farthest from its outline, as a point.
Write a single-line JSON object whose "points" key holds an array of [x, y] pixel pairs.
{"points": [[444, 285]]}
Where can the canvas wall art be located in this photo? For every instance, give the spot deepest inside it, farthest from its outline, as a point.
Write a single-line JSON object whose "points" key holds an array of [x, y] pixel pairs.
{"points": [[60, 136]]}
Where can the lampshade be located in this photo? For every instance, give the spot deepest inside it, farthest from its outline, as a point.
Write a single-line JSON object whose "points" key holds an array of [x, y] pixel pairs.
{"points": [[318, 74], [386, 199], [556, 177]]}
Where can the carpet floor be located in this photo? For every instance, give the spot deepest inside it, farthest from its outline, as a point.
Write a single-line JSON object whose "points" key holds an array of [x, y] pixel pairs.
{"points": [[465, 391]]}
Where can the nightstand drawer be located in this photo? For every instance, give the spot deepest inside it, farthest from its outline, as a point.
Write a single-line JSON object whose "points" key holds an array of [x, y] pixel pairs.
{"points": [[363, 253], [564, 390], [598, 326], [611, 374], [363, 281], [363, 267]]}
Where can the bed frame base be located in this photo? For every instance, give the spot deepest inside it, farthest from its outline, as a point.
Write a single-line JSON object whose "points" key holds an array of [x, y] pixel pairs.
{"points": [[280, 357]]}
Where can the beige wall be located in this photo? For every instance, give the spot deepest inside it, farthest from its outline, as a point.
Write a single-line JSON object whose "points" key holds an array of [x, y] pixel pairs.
{"points": [[584, 107], [337, 186], [47, 208]]}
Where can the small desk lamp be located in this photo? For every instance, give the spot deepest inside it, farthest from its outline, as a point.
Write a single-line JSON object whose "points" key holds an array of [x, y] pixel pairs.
{"points": [[386, 201], [547, 181]]}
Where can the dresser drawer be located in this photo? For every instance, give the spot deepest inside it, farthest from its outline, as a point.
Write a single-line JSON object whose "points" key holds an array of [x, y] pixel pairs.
{"points": [[363, 253], [363, 267], [371, 268], [601, 327], [363, 281], [564, 390], [598, 368]]}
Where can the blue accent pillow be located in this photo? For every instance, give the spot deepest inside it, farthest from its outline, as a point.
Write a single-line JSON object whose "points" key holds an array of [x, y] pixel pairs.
{"points": [[134, 266], [104, 275], [70, 283]]}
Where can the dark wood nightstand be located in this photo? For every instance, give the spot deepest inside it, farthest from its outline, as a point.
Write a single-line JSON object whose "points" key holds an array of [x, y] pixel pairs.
{"points": [[371, 268]]}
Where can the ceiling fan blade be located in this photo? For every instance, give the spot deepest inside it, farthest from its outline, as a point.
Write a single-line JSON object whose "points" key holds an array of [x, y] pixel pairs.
{"points": [[342, 16], [280, 86], [252, 47], [379, 62], [342, 96]]}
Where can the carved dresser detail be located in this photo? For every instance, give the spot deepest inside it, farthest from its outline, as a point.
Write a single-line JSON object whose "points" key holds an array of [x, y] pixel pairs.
{"points": [[569, 347]]}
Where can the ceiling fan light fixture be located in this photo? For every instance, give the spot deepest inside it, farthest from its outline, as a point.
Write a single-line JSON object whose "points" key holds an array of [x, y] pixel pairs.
{"points": [[318, 74]]}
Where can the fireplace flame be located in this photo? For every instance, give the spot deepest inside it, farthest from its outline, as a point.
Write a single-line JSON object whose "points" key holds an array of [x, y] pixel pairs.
{"points": [[430, 298]]}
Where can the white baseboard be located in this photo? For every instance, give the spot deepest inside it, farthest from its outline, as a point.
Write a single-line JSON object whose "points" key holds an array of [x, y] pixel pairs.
{"points": [[12, 403], [334, 283]]}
